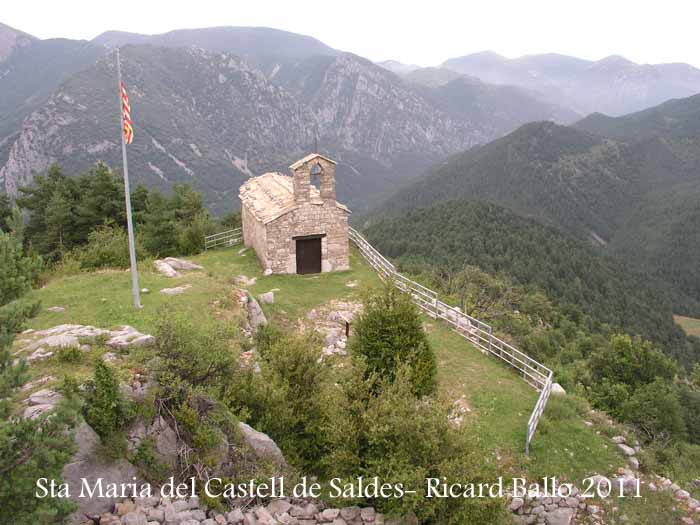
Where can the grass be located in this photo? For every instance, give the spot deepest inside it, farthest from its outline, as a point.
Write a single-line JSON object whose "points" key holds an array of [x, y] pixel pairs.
{"points": [[690, 325], [501, 402]]}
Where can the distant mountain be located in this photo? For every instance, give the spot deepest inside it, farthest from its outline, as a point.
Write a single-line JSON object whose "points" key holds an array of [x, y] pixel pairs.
{"points": [[398, 67], [613, 85], [634, 192], [675, 119], [33, 70], [243, 120], [11, 39], [187, 106], [262, 47], [432, 76]]}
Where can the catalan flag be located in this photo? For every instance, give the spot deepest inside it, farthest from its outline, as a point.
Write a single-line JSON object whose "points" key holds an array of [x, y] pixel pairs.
{"points": [[126, 110]]}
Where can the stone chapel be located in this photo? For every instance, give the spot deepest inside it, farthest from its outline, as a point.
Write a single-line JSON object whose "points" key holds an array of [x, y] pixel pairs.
{"points": [[294, 223]]}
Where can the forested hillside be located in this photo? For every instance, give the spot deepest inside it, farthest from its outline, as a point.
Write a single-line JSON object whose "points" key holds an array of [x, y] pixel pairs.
{"points": [[627, 185], [584, 283]]}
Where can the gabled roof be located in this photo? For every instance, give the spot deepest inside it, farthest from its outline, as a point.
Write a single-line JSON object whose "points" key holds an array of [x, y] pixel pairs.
{"points": [[271, 195], [309, 158]]}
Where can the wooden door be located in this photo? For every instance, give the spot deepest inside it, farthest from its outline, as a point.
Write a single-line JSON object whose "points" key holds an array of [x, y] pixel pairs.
{"points": [[309, 255]]}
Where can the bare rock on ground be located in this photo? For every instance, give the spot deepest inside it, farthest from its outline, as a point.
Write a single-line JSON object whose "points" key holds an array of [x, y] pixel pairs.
{"points": [[245, 281], [267, 297], [165, 269], [182, 264], [85, 464], [43, 343], [263, 446], [177, 290], [257, 316]]}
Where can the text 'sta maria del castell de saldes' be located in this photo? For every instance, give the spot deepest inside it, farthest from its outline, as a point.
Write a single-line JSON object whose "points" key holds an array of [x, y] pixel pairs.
{"points": [[293, 225]]}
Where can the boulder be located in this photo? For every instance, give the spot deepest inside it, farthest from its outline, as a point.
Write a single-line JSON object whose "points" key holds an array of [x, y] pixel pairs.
{"points": [[263, 446], [39, 355], [627, 451], [71, 335], [245, 281], [134, 518], [165, 269], [618, 439], [56, 309], [86, 465], [267, 297], [35, 411], [279, 506], [516, 504], [177, 290], [44, 396], [558, 390], [257, 317], [560, 516], [166, 445], [182, 264], [37, 382]]}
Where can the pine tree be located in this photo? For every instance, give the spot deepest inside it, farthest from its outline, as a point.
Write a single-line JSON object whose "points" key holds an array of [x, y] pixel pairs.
{"points": [[101, 201], [388, 335], [5, 212]]}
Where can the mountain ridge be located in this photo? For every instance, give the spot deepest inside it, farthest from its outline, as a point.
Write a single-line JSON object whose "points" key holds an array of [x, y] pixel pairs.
{"points": [[613, 85]]}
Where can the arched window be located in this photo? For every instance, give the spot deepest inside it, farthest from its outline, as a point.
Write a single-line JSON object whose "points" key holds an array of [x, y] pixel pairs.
{"points": [[316, 173]]}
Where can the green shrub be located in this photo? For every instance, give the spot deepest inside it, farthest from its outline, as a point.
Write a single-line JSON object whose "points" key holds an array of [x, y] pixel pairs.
{"points": [[395, 437], [287, 400], [146, 460], [18, 270], [690, 402], [655, 411], [71, 355], [389, 334], [106, 411], [190, 355], [107, 247], [191, 234], [32, 449]]}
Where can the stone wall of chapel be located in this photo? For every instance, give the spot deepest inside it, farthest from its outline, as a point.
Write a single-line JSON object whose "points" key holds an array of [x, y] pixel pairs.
{"points": [[309, 219]]}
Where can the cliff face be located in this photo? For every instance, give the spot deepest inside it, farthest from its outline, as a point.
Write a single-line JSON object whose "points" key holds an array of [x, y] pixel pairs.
{"points": [[212, 119]]}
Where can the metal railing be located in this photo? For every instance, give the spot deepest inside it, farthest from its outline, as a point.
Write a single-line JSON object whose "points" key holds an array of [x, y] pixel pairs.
{"points": [[477, 332], [227, 238]]}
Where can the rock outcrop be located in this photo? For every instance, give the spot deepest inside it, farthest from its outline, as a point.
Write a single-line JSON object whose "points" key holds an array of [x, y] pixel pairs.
{"points": [[43, 343], [87, 465]]}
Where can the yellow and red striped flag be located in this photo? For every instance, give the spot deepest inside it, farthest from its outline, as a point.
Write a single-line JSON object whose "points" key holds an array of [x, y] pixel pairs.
{"points": [[126, 111]]}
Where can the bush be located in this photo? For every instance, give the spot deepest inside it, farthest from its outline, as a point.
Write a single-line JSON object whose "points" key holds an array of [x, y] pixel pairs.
{"points": [[32, 449], [690, 402], [18, 271], [146, 460], [655, 411], [107, 247], [631, 361], [71, 355], [191, 234], [288, 399], [190, 355], [394, 437], [105, 410], [389, 334]]}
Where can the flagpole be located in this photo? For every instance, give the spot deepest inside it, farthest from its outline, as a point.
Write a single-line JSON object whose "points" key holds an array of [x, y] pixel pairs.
{"points": [[127, 195]]}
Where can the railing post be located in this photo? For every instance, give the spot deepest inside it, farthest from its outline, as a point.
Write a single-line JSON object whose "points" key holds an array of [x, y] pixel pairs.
{"points": [[490, 339]]}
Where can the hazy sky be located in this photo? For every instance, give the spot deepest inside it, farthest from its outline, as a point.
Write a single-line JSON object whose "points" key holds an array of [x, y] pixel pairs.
{"points": [[425, 33]]}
